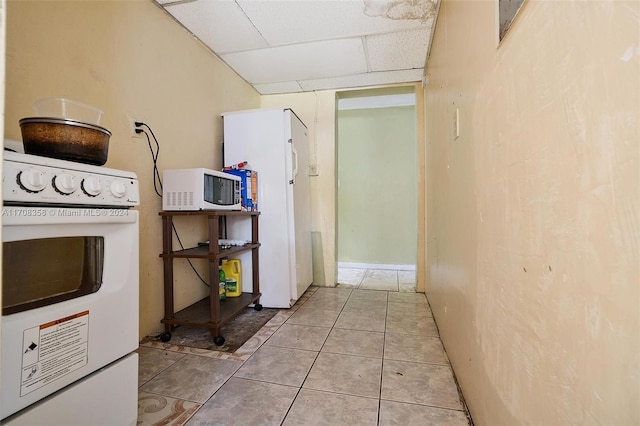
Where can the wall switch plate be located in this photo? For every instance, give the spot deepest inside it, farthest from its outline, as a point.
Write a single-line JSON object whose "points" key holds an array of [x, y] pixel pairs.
{"points": [[456, 124]]}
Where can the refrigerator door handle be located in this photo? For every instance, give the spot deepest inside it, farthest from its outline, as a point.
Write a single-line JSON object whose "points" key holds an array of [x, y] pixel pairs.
{"points": [[295, 167]]}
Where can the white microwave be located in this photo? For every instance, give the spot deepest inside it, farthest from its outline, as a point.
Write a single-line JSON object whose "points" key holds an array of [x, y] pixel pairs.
{"points": [[200, 189]]}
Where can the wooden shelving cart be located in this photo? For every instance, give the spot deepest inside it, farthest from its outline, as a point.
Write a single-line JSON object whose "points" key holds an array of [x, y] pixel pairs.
{"points": [[220, 311]]}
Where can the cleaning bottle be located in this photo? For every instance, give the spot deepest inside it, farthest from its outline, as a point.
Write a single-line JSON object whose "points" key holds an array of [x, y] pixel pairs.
{"points": [[233, 275]]}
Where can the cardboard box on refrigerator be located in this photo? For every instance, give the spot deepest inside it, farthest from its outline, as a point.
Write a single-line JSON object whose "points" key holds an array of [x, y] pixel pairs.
{"points": [[248, 188]]}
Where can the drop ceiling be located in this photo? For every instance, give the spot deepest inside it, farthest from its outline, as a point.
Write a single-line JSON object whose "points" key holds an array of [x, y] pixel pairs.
{"points": [[305, 45]]}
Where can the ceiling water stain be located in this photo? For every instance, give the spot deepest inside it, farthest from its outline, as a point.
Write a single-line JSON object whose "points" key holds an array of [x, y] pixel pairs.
{"points": [[421, 10]]}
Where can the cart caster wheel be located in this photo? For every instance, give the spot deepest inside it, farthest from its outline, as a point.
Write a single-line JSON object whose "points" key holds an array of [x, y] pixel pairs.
{"points": [[257, 307], [165, 337], [218, 340]]}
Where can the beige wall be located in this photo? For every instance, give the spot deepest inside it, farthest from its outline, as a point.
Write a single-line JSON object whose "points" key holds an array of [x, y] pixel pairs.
{"points": [[534, 211], [129, 58], [377, 194]]}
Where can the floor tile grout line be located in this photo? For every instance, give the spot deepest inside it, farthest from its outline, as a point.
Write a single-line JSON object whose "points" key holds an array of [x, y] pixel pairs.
{"points": [[173, 397], [304, 325], [160, 372], [384, 346], [341, 393], [425, 405], [263, 381], [293, 401]]}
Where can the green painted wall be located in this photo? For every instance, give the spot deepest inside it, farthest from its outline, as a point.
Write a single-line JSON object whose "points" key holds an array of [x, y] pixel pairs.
{"points": [[377, 186]]}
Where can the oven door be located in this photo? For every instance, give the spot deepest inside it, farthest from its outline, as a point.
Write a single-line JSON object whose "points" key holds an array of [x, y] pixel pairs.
{"points": [[70, 297]]}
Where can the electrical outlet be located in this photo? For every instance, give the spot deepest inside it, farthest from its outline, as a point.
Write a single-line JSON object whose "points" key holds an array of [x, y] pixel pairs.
{"points": [[132, 127]]}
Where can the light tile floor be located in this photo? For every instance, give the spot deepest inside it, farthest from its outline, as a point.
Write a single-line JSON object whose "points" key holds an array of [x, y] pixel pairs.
{"points": [[377, 279], [340, 356]]}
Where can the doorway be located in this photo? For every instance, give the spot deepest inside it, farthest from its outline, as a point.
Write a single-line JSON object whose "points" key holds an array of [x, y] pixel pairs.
{"points": [[377, 184]]}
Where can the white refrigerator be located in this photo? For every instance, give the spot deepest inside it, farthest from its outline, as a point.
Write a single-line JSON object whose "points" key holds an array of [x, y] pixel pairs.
{"points": [[274, 142]]}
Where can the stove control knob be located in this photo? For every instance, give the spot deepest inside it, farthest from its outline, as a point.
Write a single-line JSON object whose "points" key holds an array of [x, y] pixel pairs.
{"points": [[118, 189], [65, 183], [32, 180], [92, 186]]}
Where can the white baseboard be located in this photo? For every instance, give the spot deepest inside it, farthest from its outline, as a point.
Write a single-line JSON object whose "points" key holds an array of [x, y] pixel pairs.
{"points": [[349, 265]]}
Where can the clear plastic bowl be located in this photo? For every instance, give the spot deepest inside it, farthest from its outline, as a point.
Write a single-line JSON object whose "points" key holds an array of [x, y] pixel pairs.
{"points": [[67, 109]]}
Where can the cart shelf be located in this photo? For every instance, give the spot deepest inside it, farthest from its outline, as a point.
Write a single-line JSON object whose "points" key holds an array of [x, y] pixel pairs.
{"points": [[202, 252]]}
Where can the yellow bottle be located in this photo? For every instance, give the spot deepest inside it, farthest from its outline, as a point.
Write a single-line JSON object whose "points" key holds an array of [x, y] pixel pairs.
{"points": [[233, 274]]}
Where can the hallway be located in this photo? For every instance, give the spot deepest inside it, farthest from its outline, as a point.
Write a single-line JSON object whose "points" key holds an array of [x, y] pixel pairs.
{"points": [[340, 356]]}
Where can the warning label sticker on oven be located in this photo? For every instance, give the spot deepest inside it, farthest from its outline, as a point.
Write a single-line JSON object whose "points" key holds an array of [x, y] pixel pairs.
{"points": [[51, 350]]}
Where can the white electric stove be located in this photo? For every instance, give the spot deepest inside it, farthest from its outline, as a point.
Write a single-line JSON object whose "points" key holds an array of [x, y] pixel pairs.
{"points": [[69, 293]]}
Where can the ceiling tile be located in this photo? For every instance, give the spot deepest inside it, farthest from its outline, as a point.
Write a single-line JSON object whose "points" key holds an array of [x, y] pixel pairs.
{"points": [[404, 50], [362, 80], [274, 88], [299, 62], [287, 22], [287, 46], [221, 25]]}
